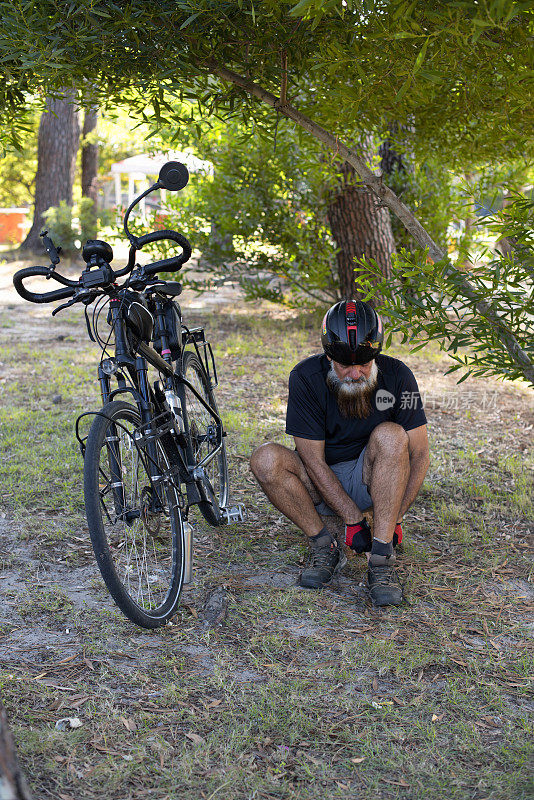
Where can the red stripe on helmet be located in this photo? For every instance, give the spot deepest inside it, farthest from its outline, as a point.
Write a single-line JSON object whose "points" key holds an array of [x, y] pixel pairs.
{"points": [[350, 310]]}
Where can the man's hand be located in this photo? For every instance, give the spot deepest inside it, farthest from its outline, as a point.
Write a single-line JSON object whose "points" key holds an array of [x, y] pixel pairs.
{"points": [[312, 454]]}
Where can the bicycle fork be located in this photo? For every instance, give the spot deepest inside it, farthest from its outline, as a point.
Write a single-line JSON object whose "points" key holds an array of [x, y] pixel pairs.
{"points": [[143, 448]]}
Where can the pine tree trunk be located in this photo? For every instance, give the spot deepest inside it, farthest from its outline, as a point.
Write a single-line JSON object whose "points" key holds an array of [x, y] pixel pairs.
{"points": [[359, 229], [89, 155], [13, 785], [59, 135]]}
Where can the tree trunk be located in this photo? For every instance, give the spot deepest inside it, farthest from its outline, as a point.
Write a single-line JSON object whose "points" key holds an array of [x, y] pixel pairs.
{"points": [[59, 135], [13, 785], [89, 155], [360, 228]]}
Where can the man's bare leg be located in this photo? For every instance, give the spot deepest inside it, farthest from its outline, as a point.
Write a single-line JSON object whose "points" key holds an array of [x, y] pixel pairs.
{"points": [[386, 471], [282, 476], [284, 479]]}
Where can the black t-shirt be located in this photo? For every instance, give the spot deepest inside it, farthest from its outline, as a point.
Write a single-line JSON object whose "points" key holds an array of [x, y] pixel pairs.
{"points": [[313, 413]]}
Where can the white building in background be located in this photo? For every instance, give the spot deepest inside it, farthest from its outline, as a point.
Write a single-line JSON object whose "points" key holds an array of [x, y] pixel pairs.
{"points": [[135, 174]]}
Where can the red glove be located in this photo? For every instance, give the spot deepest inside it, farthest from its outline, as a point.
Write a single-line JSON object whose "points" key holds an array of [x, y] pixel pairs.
{"points": [[358, 537], [397, 536]]}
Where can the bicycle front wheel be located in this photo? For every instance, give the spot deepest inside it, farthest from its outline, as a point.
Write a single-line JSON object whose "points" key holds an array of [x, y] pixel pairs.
{"points": [[134, 517], [204, 435]]}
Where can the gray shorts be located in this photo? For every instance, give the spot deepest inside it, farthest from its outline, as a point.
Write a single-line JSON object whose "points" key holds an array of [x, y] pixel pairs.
{"points": [[350, 475]]}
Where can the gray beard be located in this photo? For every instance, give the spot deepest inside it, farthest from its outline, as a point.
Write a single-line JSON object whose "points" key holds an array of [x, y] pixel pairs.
{"points": [[353, 397]]}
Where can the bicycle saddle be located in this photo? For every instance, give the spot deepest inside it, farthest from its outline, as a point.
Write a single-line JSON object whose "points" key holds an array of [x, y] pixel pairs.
{"points": [[97, 250]]}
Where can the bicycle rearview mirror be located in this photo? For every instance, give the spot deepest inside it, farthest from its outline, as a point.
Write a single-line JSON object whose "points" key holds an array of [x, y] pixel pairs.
{"points": [[173, 176]]}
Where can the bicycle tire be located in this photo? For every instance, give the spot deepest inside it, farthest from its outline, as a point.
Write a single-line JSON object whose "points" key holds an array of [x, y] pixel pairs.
{"points": [[141, 559], [200, 424]]}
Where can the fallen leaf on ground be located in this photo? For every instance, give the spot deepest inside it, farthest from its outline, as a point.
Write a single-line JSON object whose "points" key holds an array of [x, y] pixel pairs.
{"points": [[78, 701], [212, 704], [400, 782], [195, 738]]}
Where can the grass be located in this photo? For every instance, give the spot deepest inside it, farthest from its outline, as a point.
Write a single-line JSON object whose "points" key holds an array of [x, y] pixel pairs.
{"points": [[299, 695]]}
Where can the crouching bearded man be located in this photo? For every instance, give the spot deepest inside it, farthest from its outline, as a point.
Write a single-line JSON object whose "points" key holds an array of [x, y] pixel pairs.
{"points": [[361, 442]]}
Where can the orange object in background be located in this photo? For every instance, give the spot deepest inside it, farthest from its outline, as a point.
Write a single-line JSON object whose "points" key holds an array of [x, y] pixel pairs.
{"points": [[12, 225]]}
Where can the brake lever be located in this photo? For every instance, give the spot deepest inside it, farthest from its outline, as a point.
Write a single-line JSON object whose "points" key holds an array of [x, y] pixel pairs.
{"points": [[78, 298]]}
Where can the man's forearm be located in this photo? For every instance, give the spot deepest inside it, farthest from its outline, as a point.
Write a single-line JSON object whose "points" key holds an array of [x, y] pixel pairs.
{"points": [[418, 468], [333, 492]]}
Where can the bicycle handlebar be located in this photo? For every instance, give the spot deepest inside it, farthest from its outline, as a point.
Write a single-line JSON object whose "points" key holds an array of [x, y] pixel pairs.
{"points": [[45, 297], [169, 264], [98, 273]]}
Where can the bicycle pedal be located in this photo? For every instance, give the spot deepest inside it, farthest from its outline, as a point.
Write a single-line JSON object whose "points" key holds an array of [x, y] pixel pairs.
{"points": [[232, 514]]}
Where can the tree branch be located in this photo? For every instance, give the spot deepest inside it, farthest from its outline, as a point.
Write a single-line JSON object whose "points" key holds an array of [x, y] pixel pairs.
{"points": [[387, 198]]}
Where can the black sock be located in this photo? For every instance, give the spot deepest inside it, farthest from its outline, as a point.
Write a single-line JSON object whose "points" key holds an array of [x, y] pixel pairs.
{"points": [[382, 548], [323, 537]]}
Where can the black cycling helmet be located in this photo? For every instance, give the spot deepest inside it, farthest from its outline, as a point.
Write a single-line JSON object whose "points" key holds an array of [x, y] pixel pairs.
{"points": [[352, 333]]}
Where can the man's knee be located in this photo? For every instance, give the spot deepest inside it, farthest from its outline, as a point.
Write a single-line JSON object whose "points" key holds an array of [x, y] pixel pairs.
{"points": [[389, 437], [266, 461]]}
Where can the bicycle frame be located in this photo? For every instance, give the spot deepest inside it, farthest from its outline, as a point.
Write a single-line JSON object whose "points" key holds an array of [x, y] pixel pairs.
{"points": [[177, 442]]}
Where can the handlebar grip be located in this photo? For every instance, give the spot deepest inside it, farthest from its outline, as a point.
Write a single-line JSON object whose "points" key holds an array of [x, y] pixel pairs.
{"points": [[167, 264], [35, 297]]}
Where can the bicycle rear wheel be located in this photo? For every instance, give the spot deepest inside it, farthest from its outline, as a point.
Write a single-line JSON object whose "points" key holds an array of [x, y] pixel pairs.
{"points": [[135, 523], [203, 433]]}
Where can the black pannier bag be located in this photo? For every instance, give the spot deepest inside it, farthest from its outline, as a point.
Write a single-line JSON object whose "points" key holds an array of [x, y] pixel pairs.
{"points": [[173, 325]]}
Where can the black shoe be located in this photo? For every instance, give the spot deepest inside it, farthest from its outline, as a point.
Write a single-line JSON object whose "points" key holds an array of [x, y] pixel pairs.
{"points": [[324, 563], [384, 584]]}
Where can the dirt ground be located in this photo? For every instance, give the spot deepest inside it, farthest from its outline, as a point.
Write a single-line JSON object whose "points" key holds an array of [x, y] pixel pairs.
{"points": [[260, 689]]}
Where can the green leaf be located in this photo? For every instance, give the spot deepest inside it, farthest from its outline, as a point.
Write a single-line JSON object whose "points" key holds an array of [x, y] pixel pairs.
{"points": [[189, 20], [404, 88], [420, 57], [464, 377]]}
